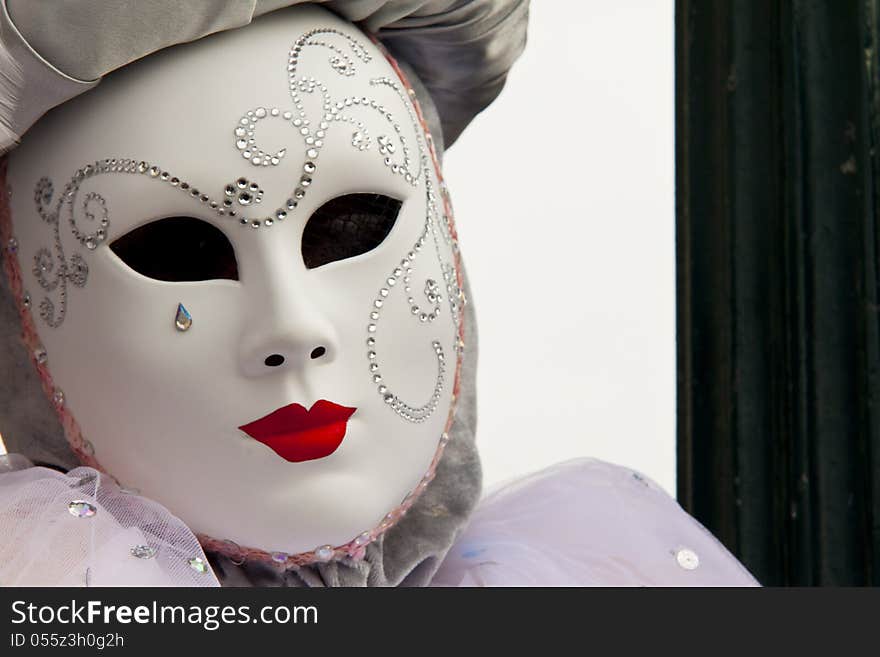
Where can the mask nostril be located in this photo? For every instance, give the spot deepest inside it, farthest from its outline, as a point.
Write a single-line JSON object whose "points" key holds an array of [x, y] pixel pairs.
{"points": [[274, 360], [317, 352]]}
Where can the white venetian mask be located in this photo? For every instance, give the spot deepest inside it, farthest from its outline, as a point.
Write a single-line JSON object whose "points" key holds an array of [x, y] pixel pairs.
{"points": [[243, 283]]}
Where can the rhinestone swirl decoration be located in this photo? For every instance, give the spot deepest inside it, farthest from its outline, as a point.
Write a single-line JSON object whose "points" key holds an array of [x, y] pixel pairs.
{"points": [[403, 273], [54, 271]]}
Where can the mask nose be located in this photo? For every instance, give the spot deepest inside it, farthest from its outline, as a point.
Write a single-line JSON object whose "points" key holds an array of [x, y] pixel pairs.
{"points": [[288, 330], [277, 360], [288, 343], [294, 335]]}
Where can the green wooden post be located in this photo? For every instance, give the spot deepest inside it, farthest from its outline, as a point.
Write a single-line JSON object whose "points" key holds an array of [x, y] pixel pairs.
{"points": [[778, 238]]}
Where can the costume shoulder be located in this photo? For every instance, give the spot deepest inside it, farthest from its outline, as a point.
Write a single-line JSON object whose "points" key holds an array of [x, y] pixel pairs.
{"points": [[81, 529], [587, 523]]}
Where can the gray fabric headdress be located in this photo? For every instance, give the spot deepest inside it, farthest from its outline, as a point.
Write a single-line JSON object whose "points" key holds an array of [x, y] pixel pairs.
{"points": [[51, 51]]}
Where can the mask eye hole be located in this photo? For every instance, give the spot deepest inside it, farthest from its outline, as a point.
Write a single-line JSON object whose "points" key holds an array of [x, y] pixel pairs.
{"points": [[347, 226], [178, 249]]}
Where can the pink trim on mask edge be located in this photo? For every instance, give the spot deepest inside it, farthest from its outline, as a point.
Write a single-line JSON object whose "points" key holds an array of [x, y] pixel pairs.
{"points": [[354, 549]]}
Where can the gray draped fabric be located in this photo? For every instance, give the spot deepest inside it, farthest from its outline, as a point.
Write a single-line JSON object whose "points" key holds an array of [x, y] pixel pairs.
{"points": [[460, 49]]}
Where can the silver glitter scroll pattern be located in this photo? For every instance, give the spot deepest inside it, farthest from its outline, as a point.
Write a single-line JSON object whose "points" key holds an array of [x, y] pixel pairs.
{"points": [[51, 267], [313, 134], [404, 274], [245, 194], [454, 293], [415, 414]]}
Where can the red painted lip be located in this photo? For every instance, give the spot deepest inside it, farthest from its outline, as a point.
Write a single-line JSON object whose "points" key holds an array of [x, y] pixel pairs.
{"points": [[297, 434]]}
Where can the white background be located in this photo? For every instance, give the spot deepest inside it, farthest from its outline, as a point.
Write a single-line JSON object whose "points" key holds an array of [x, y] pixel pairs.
{"points": [[563, 192], [564, 200]]}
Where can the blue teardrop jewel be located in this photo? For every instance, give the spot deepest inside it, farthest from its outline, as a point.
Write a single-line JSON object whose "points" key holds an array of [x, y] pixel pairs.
{"points": [[183, 320]]}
